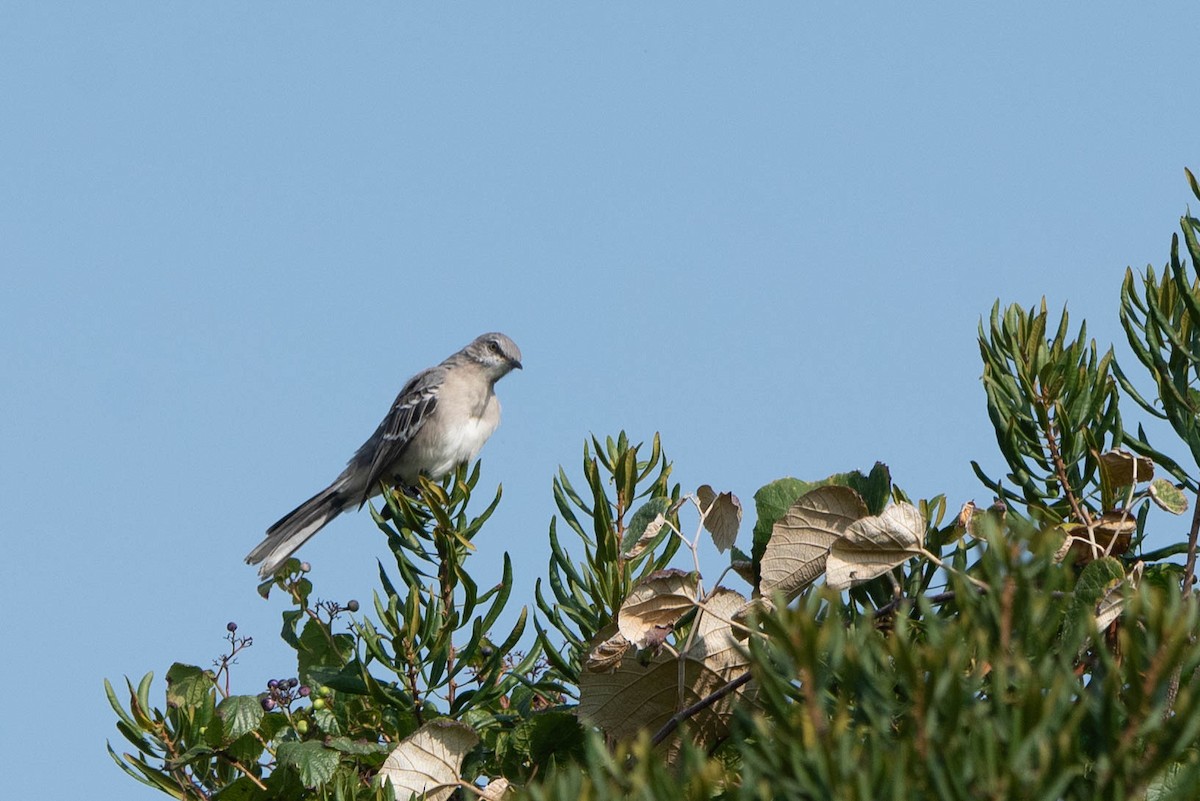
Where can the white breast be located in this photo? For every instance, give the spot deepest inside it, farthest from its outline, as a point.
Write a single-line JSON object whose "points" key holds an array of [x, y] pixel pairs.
{"points": [[435, 456]]}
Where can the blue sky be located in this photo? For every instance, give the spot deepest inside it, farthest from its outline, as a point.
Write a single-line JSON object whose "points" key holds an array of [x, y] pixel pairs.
{"points": [[230, 232]]}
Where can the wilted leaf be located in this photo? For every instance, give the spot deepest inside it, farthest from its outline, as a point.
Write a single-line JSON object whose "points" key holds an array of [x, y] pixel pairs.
{"points": [[428, 761], [1121, 468], [966, 518], [645, 526], [773, 500], [722, 516], [872, 546], [656, 602], [639, 697], [1113, 532], [760, 605], [1168, 496], [1110, 606], [609, 650], [496, 789], [800, 542]]}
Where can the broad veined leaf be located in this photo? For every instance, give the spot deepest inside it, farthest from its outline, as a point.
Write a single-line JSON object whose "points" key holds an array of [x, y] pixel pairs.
{"points": [[313, 762], [1168, 496], [722, 516], [187, 685], [608, 651], [654, 605], [496, 789], [643, 697], [1112, 531], [872, 546], [800, 542], [1121, 468], [428, 761], [239, 714]]}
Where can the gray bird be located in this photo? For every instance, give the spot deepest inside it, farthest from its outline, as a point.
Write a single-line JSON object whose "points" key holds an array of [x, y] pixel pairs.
{"points": [[439, 420]]}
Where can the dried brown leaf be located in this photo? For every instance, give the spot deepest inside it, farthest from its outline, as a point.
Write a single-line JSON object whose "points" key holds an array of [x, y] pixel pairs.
{"points": [[1121, 468], [722, 516], [643, 697], [428, 761], [609, 650], [874, 545], [656, 601], [1116, 525], [644, 541], [800, 541]]}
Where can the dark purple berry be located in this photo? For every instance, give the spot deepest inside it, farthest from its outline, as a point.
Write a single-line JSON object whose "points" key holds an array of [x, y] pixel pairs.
{"points": [[304, 690], [231, 627], [268, 704], [292, 683], [352, 606], [272, 684]]}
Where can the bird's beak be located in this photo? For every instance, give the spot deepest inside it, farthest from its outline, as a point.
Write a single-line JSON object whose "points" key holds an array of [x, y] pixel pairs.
{"points": [[517, 364]]}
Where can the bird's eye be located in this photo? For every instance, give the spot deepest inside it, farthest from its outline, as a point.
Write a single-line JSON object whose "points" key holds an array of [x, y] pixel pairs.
{"points": [[495, 347]]}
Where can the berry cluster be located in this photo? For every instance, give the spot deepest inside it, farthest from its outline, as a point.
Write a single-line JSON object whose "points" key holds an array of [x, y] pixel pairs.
{"points": [[281, 693]]}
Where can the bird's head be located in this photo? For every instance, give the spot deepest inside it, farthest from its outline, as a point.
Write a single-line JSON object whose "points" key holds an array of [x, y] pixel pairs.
{"points": [[496, 352]]}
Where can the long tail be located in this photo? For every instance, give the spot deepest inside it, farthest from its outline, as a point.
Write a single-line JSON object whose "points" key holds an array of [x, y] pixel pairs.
{"points": [[296, 528]]}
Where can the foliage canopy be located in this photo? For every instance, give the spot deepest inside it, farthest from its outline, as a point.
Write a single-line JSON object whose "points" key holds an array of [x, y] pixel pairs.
{"points": [[884, 647]]}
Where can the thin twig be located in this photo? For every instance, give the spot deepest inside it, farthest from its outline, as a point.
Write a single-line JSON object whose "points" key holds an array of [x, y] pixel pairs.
{"points": [[1060, 469], [704, 703], [1189, 567], [938, 598], [937, 561], [257, 781], [1189, 578]]}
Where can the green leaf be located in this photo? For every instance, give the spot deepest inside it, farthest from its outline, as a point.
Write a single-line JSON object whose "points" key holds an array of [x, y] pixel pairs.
{"points": [[1168, 496], [741, 564], [542, 741], [327, 720], [875, 487], [313, 762], [239, 715], [246, 749], [1165, 577], [115, 703], [320, 649], [243, 789], [347, 679], [187, 686], [641, 520], [358, 747], [771, 503], [1095, 580]]}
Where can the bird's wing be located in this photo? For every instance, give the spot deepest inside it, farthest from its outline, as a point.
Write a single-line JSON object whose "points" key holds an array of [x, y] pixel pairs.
{"points": [[409, 412]]}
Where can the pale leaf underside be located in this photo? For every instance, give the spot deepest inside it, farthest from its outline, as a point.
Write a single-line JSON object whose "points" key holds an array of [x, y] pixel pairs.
{"points": [[800, 541]]}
